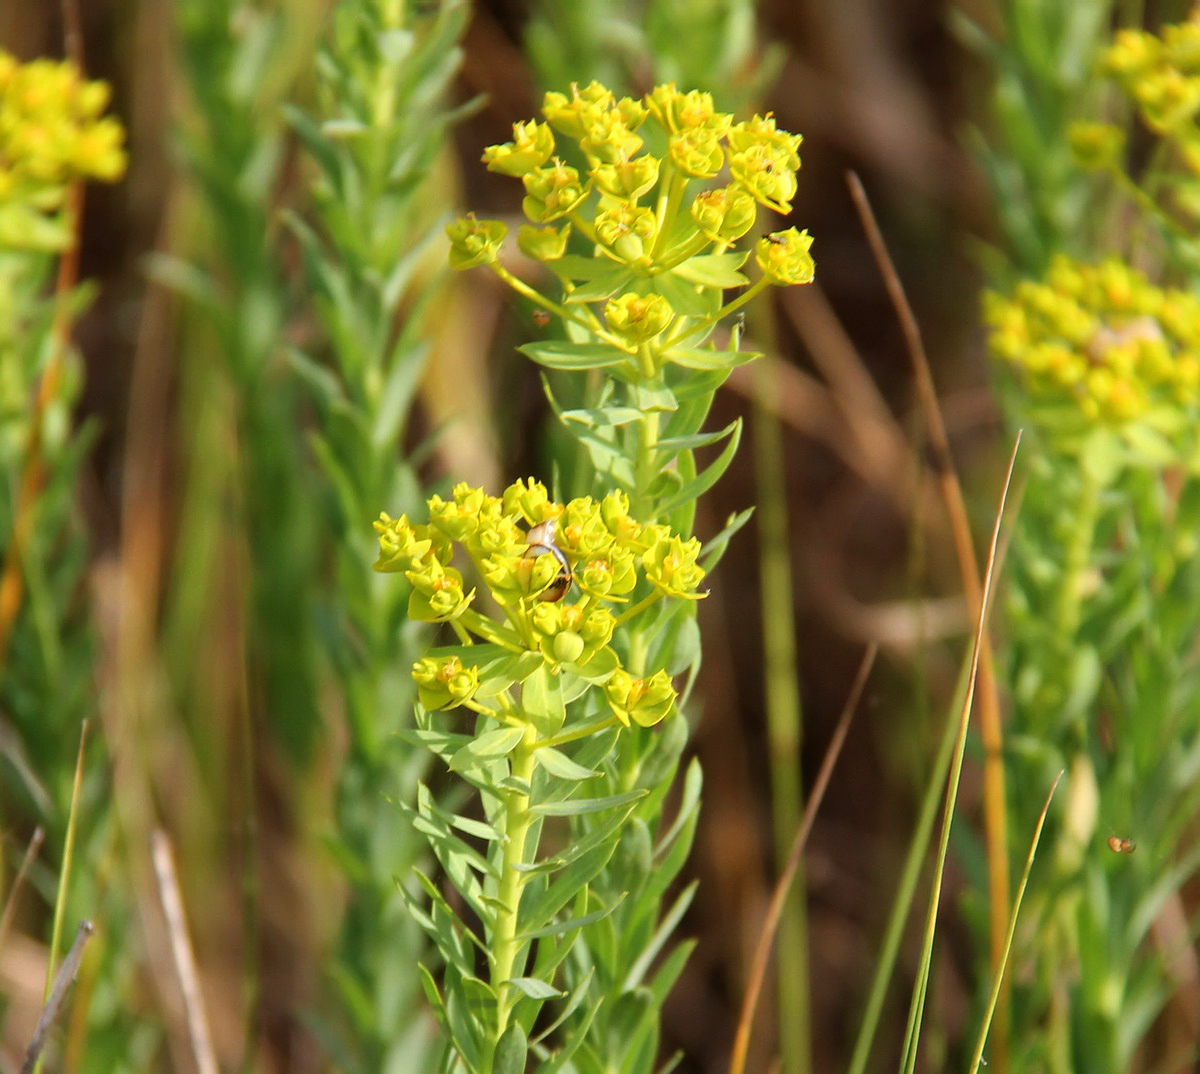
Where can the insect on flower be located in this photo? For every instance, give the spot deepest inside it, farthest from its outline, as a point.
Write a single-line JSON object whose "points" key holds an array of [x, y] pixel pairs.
{"points": [[541, 541]]}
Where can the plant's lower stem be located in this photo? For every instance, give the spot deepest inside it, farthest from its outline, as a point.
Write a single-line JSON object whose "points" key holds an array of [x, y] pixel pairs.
{"points": [[1079, 552], [505, 945], [645, 471]]}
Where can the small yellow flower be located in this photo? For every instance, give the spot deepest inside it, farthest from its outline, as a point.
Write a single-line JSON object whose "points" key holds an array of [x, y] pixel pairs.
{"points": [[401, 544], [678, 112], [641, 701], [543, 243], [531, 147], [765, 172], [761, 130], [608, 140], [475, 242], [638, 318], [724, 215], [626, 231], [438, 594], [1096, 145], [571, 634], [446, 683], [671, 567], [529, 499], [574, 116], [784, 257], [697, 152], [552, 192], [627, 179]]}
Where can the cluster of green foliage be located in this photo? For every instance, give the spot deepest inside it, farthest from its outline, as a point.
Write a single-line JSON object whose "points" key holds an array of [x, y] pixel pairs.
{"points": [[637, 317], [1097, 336]]}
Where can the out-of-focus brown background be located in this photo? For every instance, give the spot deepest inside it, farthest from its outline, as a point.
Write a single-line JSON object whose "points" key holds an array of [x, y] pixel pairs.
{"points": [[876, 86]]}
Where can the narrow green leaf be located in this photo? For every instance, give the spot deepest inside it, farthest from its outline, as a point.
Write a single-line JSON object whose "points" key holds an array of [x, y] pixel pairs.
{"points": [[443, 743], [432, 994], [561, 766], [694, 489], [604, 416], [668, 973], [571, 924], [488, 746], [575, 1040], [542, 702], [573, 1000], [598, 669], [563, 354], [661, 935], [604, 453], [672, 445], [512, 1050], [577, 267], [708, 359], [714, 270], [535, 988], [539, 911], [464, 1030], [686, 298], [579, 806], [714, 548], [654, 397], [608, 831]]}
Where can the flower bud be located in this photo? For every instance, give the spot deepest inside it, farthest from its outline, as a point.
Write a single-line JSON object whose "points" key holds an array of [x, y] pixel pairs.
{"points": [[531, 147], [475, 242], [642, 701], [784, 257], [543, 243], [627, 179], [552, 192], [443, 684], [638, 318], [724, 215], [670, 566]]}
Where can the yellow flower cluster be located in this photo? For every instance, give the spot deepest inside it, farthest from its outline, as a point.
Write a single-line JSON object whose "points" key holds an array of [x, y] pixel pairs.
{"points": [[1101, 343], [702, 175], [530, 552], [51, 133], [1162, 75]]}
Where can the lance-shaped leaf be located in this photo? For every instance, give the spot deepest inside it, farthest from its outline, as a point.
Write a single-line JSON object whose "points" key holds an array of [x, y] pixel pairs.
{"points": [[563, 354]]}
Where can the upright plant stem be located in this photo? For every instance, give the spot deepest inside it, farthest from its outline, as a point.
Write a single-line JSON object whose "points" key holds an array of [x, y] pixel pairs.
{"points": [[645, 472], [784, 722], [1078, 554], [505, 946]]}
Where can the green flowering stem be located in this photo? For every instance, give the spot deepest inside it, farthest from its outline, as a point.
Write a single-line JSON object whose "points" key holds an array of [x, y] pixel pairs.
{"points": [[693, 246], [647, 361], [668, 205], [577, 733], [748, 295], [639, 607], [583, 225], [535, 296], [1078, 553], [1149, 204], [487, 629], [504, 946], [645, 468]]}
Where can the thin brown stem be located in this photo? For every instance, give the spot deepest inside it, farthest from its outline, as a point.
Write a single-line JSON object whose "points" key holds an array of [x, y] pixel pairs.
{"points": [[766, 937], [994, 796], [182, 956], [10, 904]]}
